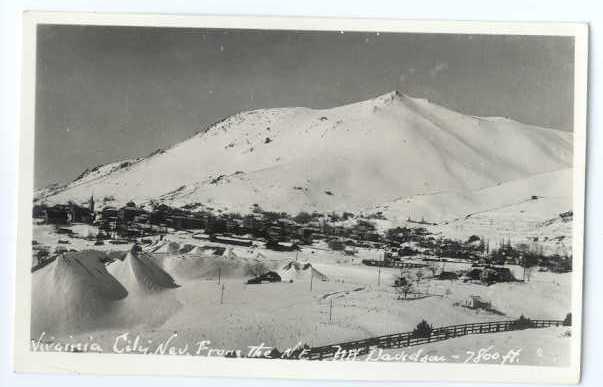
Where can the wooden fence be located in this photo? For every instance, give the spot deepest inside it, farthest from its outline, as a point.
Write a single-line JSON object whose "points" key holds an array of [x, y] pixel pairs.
{"points": [[409, 339]]}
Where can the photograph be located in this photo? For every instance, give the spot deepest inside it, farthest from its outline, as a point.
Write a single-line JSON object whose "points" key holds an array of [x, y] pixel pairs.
{"points": [[301, 194]]}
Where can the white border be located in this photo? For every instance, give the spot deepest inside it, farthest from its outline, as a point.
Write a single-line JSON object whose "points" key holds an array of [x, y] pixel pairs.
{"points": [[26, 361]]}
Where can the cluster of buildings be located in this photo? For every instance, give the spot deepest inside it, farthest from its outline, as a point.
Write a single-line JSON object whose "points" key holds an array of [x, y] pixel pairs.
{"points": [[126, 222], [278, 229]]}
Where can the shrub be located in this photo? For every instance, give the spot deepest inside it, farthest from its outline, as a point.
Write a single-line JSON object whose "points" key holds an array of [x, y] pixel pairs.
{"points": [[522, 323], [303, 218], [423, 329]]}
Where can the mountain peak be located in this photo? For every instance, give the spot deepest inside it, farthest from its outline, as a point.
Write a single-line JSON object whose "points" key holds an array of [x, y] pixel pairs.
{"points": [[396, 96], [294, 159], [391, 96]]}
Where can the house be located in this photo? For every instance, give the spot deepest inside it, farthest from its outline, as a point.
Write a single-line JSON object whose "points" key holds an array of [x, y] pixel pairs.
{"points": [[267, 277], [39, 211], [476, 302], [129, 213], [180, 222], [336, 244], [350, 250], [559, 264], [80, 214], [58, 214], [275, 232], [109, 213], [448, 275], [488, 274], [372, 236], [305, 234], [109, 219]]}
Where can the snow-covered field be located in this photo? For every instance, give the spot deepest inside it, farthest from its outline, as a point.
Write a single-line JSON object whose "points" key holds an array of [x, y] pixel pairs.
{"points": [[356, 301]]}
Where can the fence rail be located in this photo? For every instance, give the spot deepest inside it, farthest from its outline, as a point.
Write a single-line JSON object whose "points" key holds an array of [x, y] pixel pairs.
{"points": [[409, 339]]}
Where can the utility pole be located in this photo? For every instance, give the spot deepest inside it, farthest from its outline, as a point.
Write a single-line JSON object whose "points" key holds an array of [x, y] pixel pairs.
{"points": [[222, 294], [331, 310], [219, 275], [523, 263], [379, 275], [311, 277]]}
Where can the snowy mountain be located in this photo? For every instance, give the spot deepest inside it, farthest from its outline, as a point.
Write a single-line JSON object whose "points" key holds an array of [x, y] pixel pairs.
{"points": [[392, 152]]}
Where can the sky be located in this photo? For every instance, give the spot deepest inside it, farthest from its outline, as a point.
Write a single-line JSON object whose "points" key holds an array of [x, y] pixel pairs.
{"points": [[106, 93]]}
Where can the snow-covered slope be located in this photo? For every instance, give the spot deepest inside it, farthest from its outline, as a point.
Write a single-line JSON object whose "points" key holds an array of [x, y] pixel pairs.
{"points": [[73, 293], [540, 196], [348, 158]]}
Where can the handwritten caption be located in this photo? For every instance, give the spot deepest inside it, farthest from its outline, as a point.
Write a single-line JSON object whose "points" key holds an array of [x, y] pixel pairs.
{"points": [[127, 343]]}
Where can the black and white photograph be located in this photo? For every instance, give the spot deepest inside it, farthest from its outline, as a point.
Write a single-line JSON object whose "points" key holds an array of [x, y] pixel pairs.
{"points": [[304, 193]]}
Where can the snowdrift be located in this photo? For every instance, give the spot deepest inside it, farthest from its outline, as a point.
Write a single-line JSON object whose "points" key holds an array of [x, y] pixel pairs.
{"points": [[167, 247], [139, 272], [209, 266], [301, 271], [75, 293], [207, 251], [151, 300], [187, 248]]}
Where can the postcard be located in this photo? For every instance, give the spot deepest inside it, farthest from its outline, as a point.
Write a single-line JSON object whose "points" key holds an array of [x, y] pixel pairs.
{"points": [[318, 198]]}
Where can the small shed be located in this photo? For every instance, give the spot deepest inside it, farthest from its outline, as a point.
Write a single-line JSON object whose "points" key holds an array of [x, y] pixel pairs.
{"points": [[476, 302]]}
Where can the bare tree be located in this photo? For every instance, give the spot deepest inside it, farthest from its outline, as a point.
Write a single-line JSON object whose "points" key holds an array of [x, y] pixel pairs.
{"points": [[405, 289]]}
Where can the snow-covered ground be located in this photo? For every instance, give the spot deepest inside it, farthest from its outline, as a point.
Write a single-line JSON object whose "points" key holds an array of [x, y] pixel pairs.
{"points": [[213, 301]]}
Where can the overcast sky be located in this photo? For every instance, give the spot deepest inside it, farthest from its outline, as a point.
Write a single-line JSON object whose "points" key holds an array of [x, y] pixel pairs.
{"points": [[109, 93]]}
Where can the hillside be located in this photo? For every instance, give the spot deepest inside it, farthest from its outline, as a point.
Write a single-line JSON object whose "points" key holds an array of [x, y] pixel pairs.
{"points": [[349, 158]]}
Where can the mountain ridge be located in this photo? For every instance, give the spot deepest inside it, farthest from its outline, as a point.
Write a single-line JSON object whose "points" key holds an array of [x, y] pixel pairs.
{"points": [[364, 153]]}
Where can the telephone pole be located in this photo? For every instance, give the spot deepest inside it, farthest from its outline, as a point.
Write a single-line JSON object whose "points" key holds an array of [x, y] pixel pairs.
{"points": [[523, 263], [331, 310]]}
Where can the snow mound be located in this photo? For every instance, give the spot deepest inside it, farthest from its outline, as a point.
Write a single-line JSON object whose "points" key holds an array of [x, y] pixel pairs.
{"points": [[139, 271], [167, 248], [207, 251], [75, 293], [301, 271], [187, 248], [210, 266], [152, 299]]}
